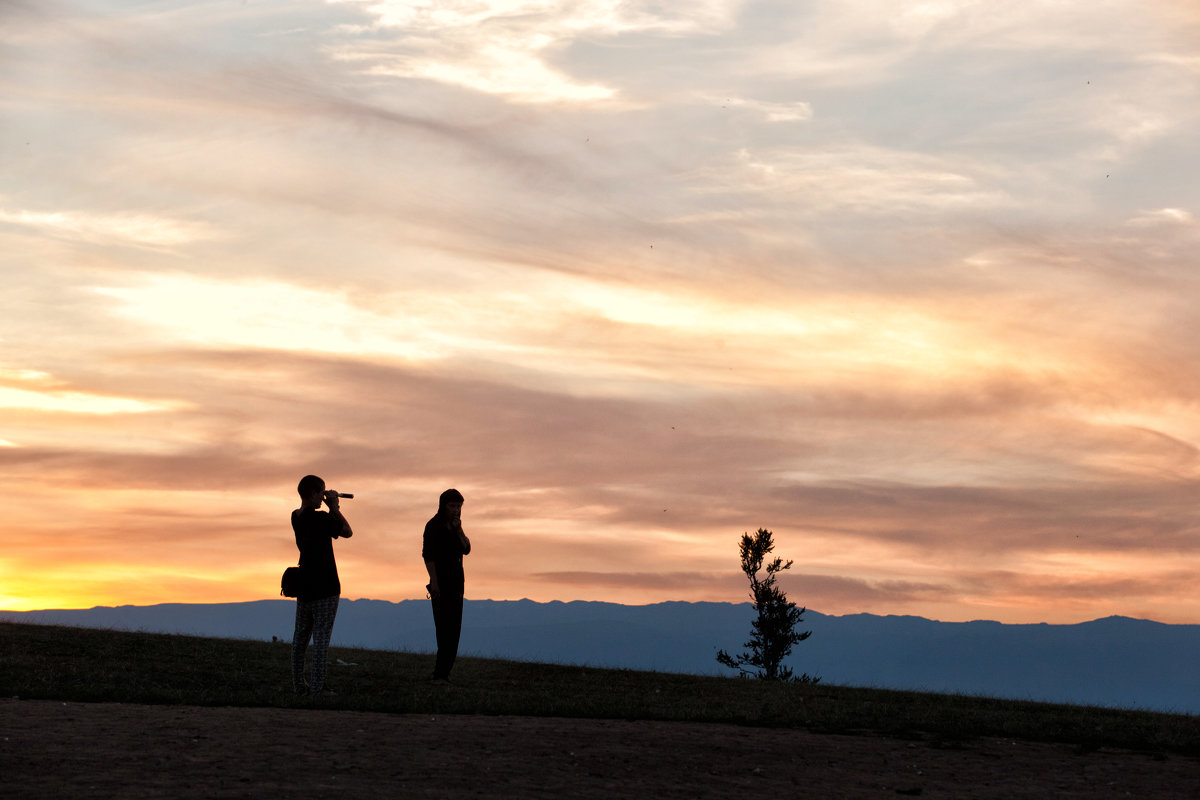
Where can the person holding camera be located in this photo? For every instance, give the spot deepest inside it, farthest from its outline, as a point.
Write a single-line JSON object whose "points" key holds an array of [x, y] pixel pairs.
{"points": [[317, 601], [443, 547]]}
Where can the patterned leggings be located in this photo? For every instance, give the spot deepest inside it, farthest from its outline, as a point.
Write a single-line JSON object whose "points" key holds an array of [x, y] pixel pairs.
{"points": [[313, 618]]}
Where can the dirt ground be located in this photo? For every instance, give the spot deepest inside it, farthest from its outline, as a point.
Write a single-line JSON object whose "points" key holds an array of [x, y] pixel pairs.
{"points": [[51, 749]]}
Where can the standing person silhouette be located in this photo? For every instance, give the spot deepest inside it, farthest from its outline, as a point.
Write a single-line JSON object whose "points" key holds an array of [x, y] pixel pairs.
{"points": [[317, 602], [443, 547]]}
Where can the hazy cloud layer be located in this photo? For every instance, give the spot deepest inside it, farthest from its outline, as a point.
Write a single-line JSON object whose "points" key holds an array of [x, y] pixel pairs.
{"points": [[909, 284]]}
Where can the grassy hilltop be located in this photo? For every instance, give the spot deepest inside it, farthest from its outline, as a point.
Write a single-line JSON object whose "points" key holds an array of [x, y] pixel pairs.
{"points": [[78, 664]]}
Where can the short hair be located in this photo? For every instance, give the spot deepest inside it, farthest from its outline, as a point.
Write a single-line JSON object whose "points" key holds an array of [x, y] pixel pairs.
{"points": [[449, 496], [310, 484]]}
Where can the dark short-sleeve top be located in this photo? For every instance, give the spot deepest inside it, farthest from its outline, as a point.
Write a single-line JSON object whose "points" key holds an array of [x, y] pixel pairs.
{"points": [[315, 532], [441, 545]]}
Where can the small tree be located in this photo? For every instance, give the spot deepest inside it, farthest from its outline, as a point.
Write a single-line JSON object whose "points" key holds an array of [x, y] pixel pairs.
{"points": [[773, 631]]}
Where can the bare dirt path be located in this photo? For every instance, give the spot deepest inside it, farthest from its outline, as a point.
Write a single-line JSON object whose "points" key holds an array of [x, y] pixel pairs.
{"points": [[51, 749]]}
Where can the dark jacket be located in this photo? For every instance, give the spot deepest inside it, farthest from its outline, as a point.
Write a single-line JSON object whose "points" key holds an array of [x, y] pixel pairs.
{"points": [[441, 545], [315, 532]]}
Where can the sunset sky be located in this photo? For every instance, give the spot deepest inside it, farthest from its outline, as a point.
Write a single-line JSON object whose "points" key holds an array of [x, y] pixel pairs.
{"points": [[914, 285]]}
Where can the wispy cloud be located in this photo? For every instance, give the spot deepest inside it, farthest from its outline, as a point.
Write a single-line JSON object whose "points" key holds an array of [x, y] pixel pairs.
{"points": [[35, 390], [131, 229]]}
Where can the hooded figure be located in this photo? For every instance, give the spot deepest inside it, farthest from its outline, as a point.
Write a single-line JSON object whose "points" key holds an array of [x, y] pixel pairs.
{"points": [[443, 547]]}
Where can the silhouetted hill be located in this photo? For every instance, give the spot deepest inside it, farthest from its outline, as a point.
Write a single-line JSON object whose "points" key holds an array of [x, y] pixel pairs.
{"points": [[1114, 661]]}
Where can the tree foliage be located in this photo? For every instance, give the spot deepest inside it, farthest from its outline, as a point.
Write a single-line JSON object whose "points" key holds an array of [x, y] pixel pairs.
{"points": [[773, 630]]}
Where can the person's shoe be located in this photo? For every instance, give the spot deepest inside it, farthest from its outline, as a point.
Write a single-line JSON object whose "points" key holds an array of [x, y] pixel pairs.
{"points": [[440, 681], [326, 692]]}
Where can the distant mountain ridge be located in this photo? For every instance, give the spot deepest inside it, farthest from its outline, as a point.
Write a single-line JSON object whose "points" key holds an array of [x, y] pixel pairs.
{"points": [[1116, 661]]}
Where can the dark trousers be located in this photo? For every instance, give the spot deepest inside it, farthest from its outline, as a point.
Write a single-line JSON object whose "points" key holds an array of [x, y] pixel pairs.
{"points": [[447, 620]]}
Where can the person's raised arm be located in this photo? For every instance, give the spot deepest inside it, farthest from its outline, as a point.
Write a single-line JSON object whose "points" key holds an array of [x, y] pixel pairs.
{"points": [[463, 541], [335, 511]]}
